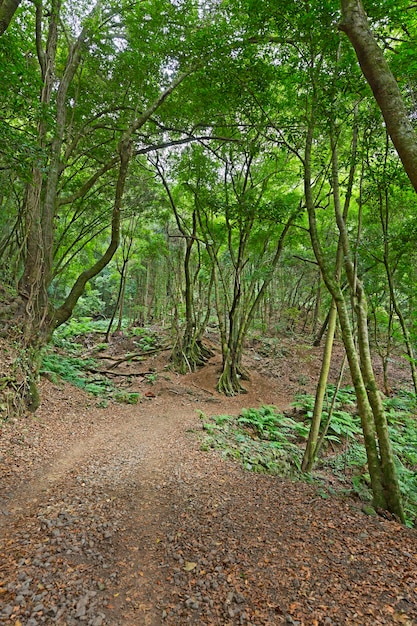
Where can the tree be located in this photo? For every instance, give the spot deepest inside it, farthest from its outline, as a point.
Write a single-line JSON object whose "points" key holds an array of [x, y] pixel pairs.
{"points": [[244, 219], [313, 443], [7, 10], [83, 134], [318, 80], [383, 84], [188, 352]]}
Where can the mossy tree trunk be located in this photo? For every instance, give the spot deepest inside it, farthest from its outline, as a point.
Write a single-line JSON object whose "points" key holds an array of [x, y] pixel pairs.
{"points": [[385, 487], [310, 453], [390, 483], [384, 86], [346, 330], [28, 319]]}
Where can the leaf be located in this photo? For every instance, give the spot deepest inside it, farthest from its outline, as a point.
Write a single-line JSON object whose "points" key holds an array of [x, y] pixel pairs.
{"points": [[189, 566], [402, 618]]}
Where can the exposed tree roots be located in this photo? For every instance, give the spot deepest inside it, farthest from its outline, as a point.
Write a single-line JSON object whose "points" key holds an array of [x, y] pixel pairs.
{"points": [[188, 357]]}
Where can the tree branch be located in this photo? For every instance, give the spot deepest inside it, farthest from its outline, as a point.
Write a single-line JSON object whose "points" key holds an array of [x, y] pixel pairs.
{"points": [[383, 84], [7, 10]]}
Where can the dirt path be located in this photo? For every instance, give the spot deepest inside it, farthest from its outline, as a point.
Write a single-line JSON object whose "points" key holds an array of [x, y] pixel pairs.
{"points": [[115, 516]]}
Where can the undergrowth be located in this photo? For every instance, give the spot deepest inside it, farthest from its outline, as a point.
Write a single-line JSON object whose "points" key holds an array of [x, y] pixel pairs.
{"points": [[264, 440], [75, 370], [64, 361], [69, 336]]}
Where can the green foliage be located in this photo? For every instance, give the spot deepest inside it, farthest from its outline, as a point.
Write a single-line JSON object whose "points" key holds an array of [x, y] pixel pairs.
{"points": [[266, 441], [90, 304], [270, 425], [226, 434], [145, 338], [80, 326], [343, 423], [126, 397], [74, 370], [69, 368], [263, 440]]}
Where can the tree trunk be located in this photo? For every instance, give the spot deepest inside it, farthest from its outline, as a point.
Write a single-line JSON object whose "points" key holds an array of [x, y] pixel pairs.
{"points": [[119, 300], [390, 483], [404, 329], [389, 472], [229, 381], [312, 443], [384, 351], [383, 84], [334, 288], [188, 352], [310, 451], [327, 423], [122, 299], [7, 10]]}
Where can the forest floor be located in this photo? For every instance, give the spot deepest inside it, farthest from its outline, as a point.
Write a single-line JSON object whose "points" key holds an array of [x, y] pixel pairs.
{"points": [[117, 516]]}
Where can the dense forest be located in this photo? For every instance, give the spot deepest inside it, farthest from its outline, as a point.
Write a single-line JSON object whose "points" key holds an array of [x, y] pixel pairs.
{"points": [[245, 165]]}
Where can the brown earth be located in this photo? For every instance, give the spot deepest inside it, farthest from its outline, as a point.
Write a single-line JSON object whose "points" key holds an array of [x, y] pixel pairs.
{"points": [[116, 516]]}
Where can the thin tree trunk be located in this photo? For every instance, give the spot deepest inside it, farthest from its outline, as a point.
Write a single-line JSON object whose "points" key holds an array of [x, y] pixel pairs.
{"points": [[384, 217], [384, 351], [312, 443], [327, 423], [364, 407], [117, 305], [310, 451], [406, 334], [122, 300], [317, 306], [388, 470]]}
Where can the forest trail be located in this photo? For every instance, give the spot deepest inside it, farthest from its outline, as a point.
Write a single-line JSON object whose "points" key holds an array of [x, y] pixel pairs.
{"points": [[116, 516]]}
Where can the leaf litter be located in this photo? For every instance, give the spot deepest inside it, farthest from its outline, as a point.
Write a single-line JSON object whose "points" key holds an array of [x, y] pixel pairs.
{"points": [[115, 516]]}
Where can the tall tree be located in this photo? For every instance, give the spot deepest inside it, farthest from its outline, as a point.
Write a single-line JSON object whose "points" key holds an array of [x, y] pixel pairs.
{"points": [[244, 220], [84, 132], [188, 352], [384, 86], [318, 78]]}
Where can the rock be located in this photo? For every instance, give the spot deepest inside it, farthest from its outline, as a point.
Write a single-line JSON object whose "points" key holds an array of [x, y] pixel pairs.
{"points": [[7, 610], [81, 608]]}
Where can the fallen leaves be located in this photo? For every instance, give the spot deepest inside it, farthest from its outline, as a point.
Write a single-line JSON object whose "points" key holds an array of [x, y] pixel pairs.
{"points": [[189, 566], [248, 548]]}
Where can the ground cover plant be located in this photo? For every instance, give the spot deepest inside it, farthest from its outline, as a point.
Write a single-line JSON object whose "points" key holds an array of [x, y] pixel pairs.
{"points": [[267, 441], [77, 371], [262, 440], [65, 358]]}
